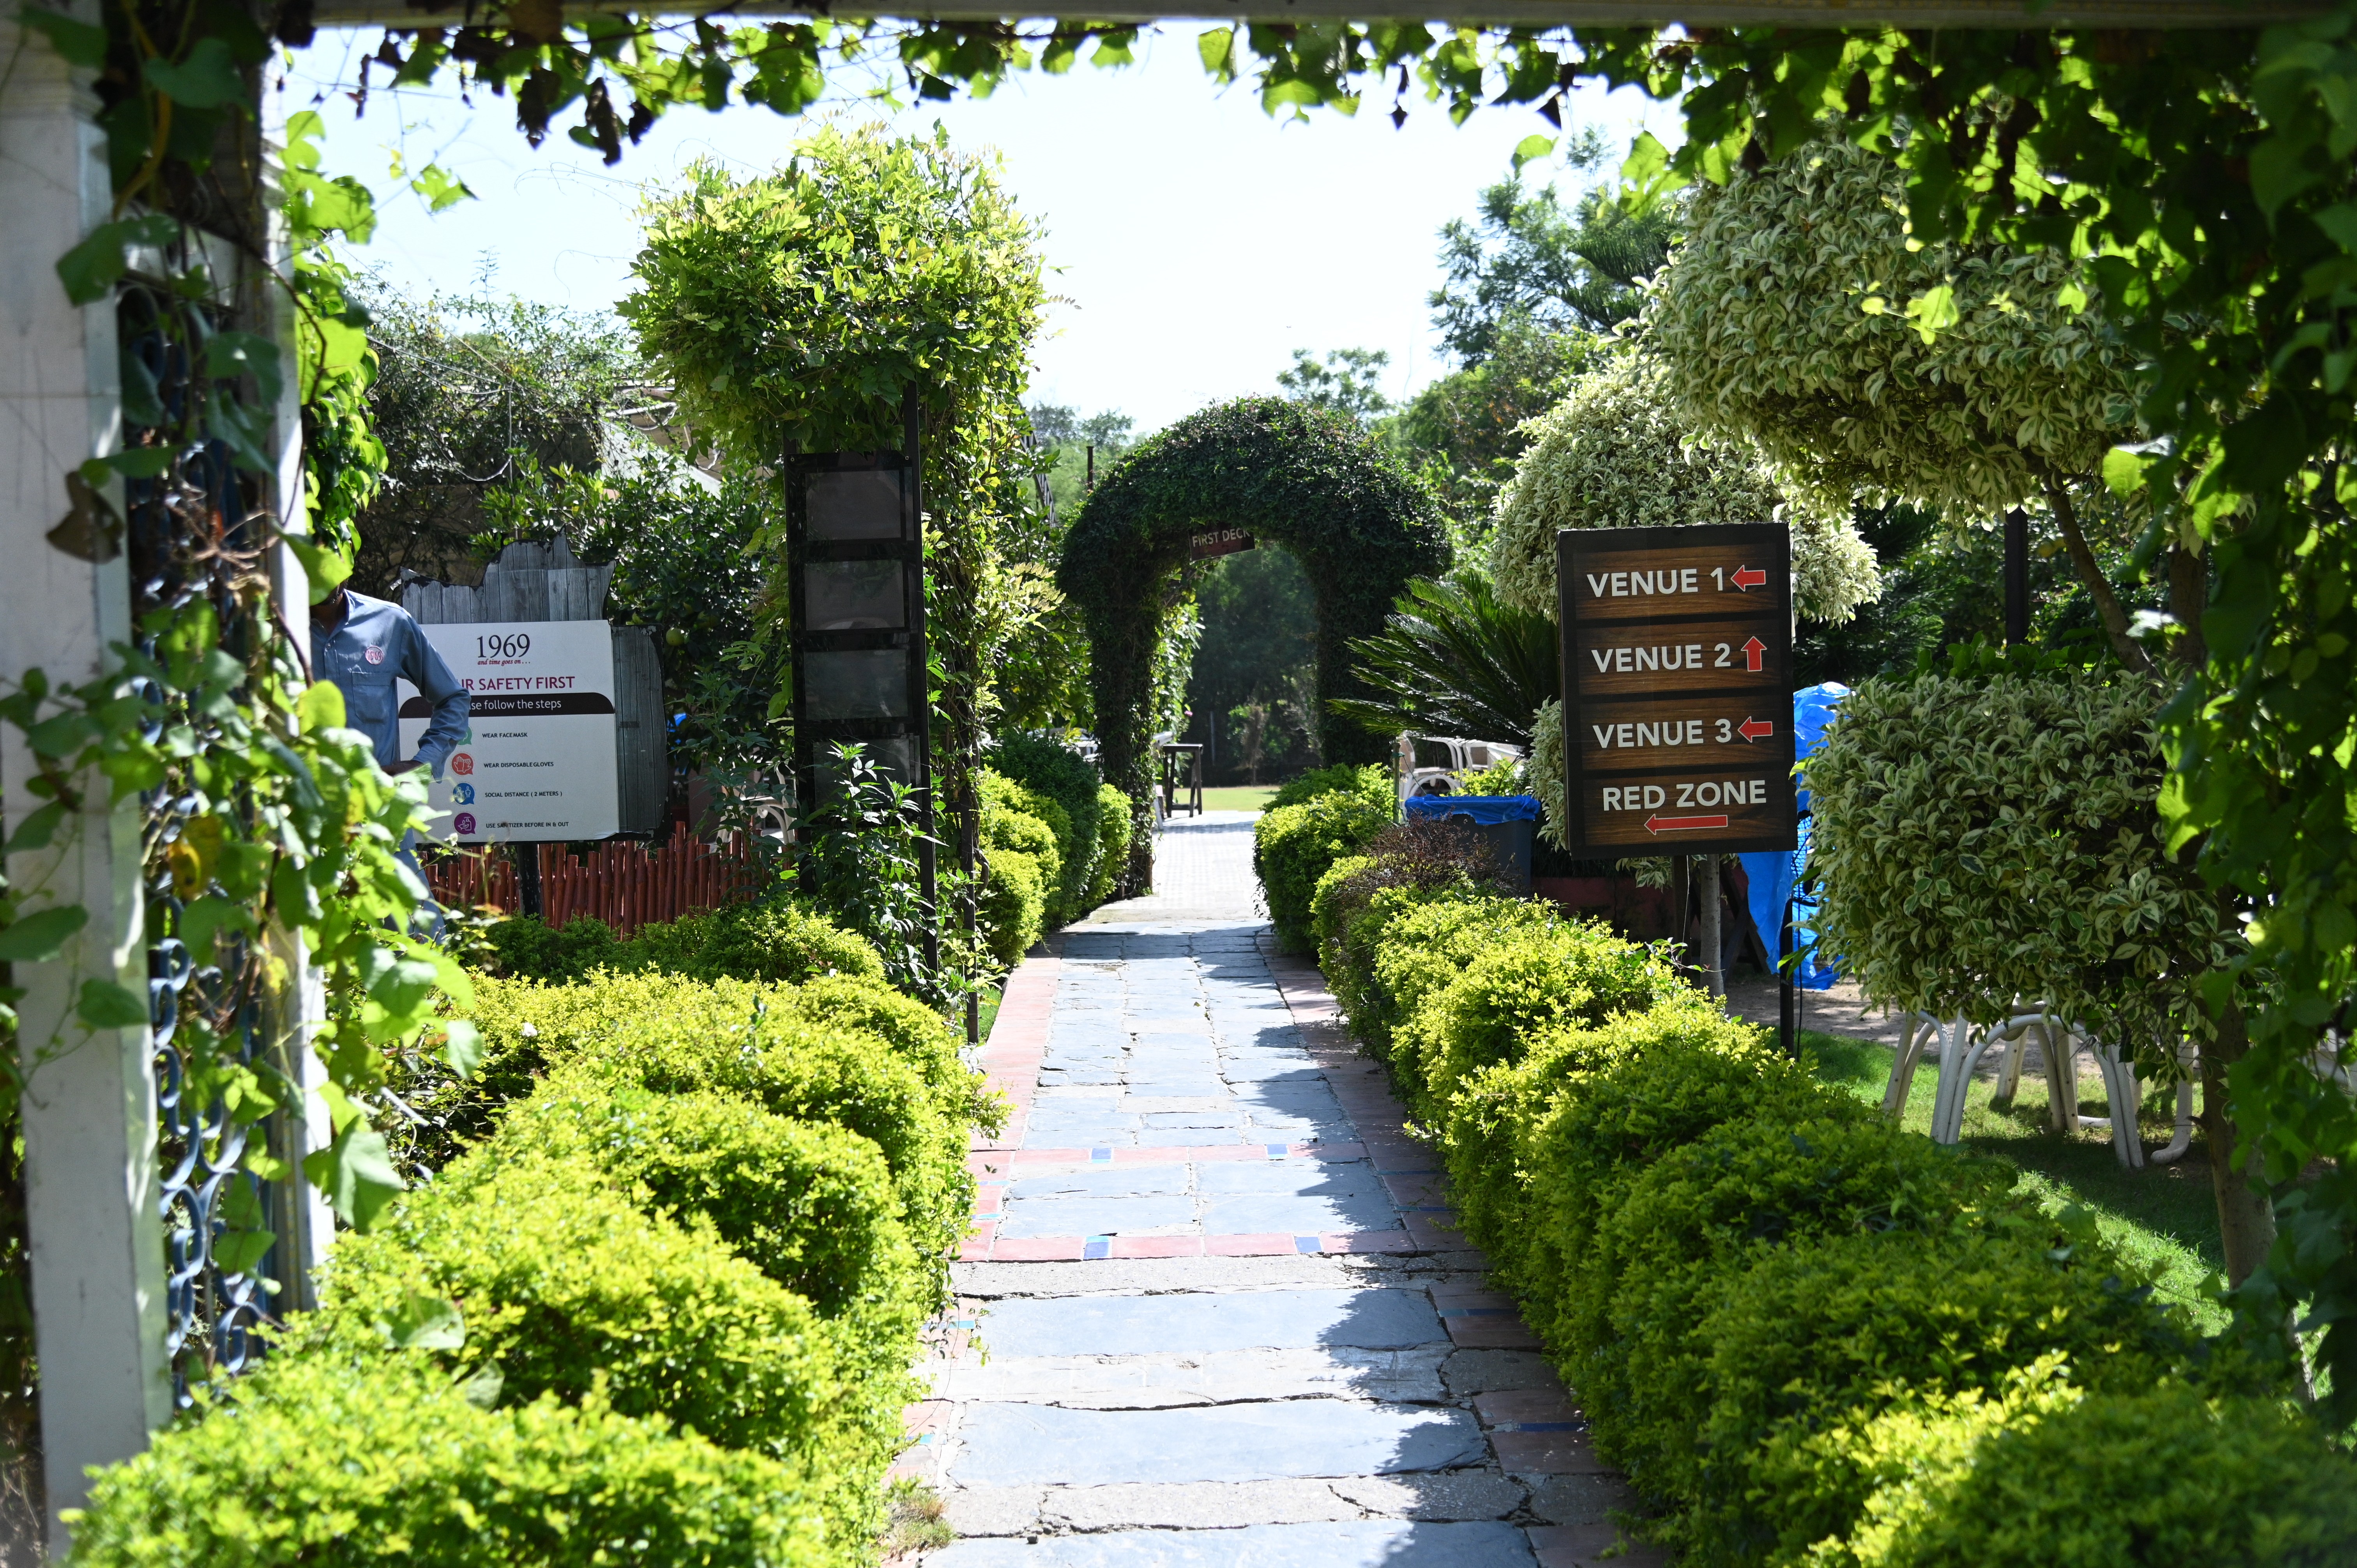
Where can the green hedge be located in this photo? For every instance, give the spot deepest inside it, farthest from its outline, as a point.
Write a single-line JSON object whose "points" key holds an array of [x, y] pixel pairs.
{"points": [[327, 1461], [528, 1027], [1294, 846], [2162, 1478], [775, 938], [1063, 778], [811, 1205], [1757, 1287], [566, 1286], [1370, 780], [1115, 827], [666, 1264]]}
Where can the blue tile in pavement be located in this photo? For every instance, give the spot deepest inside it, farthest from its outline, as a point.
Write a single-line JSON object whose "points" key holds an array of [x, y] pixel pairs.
{"points": [[1103, 1181], [1190, 1323], [1094, 1216]]}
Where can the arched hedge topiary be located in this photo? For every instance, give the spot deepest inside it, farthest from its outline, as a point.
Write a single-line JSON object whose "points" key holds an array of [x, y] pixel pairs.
{"points": [[1303, 478]]}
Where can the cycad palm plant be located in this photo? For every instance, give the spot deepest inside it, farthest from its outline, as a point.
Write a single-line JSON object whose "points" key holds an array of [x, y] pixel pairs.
{"points": [[1453, 661]]}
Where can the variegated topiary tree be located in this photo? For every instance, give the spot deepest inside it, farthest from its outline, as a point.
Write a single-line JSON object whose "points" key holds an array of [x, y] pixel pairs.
{"points": [[1615, 453], [1800, 315]]}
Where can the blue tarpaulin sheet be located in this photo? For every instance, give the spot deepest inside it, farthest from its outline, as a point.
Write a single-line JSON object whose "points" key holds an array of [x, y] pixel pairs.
{"points": [[1772, 874], [1487, 809]]}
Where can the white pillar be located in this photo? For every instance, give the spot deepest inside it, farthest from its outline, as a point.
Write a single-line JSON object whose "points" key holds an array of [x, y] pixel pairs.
{"points": [[89, 1098]]}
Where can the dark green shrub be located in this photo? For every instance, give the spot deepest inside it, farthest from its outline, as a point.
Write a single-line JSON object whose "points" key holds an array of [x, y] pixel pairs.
{"points": [[1069, 779], [1025, 866], [2163, 1479], [528, 1027], [1674, 1233], [1115, 827], [1829, 1333], [1420, 860], [848, 1052], [1536, 1149], [1420, 949], [524, 945], [334, 1461], [776, 938], [570, 1289], [811, 1205], [729, 1036], [1369, 781], [1292, 847], [1545, 978]]}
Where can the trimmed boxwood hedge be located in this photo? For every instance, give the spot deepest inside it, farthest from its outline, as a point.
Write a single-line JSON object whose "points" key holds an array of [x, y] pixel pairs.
{"points": [[669, 1277], [1294, 846], [1064, 778], [1783, 1316], [339, 1461]]}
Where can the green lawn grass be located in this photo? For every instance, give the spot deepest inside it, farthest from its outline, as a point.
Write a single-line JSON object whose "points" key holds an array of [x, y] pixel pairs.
{"points": [[2162, 1218], [989, 1010], [1239, 798]]}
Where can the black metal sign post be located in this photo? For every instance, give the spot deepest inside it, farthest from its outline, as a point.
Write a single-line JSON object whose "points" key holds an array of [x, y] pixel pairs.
{"points": [[855, 588], [1677, 699]]}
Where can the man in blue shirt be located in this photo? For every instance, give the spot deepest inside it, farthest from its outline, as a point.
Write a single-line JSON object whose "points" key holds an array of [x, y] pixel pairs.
{"points": [[362, 645]]}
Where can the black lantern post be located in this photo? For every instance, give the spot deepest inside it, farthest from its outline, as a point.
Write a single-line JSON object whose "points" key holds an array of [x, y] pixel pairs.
{"points": [[856, 578]]}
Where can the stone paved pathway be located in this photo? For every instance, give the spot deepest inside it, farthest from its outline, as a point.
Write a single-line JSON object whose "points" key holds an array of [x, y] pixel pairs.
{"points": [[1213, 1310]]}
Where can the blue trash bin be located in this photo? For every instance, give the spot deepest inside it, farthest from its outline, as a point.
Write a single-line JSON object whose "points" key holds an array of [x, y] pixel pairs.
{"points": [[1507, 824]]}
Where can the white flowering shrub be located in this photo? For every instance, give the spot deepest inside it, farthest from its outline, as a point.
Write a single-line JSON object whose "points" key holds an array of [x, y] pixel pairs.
{"points": [[1797, 316], [1614, 454]]}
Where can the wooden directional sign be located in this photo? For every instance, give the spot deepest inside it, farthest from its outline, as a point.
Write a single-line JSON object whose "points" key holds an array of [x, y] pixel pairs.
{"points": [[1677, 689], [1224, 541]]}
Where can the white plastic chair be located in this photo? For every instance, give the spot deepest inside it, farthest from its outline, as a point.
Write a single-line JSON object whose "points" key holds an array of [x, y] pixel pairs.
{"points": [[1961, 1046]]}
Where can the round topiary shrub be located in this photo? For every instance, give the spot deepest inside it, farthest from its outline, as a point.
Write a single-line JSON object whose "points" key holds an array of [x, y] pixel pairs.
{"points": [[1978, 843], [1801, 314]]}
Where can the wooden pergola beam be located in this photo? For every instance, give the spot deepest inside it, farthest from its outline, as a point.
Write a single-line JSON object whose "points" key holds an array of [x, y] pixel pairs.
{"points": [[1994, 14]]}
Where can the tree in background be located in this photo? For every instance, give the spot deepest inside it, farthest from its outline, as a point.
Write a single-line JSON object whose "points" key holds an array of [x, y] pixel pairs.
{"points": [[1256, 667], [1069, 440], [1532, 285], [1528, 258], [1464, 432], [1348, 382], [469, 391]]}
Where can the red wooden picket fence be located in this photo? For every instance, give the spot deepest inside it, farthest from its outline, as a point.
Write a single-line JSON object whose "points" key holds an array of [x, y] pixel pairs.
{"points": [[623, 882]]}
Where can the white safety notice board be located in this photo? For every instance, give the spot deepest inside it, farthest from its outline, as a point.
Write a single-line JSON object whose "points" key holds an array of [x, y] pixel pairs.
{"points": [[537, 762]]}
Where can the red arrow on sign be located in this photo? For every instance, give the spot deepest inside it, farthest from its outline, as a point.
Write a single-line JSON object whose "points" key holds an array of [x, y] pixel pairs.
{"points": [[1751, 653], [1754, 729], [1751, 577], [1660, 824]]}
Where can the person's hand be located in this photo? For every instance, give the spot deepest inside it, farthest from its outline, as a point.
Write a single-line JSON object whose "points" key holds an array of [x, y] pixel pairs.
{"points": [[404, 767]]}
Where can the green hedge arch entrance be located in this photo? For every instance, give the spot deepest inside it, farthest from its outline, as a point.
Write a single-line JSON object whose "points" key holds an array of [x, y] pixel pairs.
{"points": [[1289, 474]]}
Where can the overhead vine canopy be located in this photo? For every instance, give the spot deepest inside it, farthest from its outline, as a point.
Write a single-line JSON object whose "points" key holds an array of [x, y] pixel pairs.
{"points": [[1289, 474]]}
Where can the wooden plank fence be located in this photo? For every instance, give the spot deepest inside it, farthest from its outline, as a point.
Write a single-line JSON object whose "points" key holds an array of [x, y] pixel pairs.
{"points": [[624, 882]]}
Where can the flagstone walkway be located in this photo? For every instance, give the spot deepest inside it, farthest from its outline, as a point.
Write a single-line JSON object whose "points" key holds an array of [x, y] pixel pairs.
{"points": [[1213, 1310]]}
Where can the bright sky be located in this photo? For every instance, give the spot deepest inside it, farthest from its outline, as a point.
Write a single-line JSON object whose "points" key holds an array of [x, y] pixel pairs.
{"points": [[1197, 242]]}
